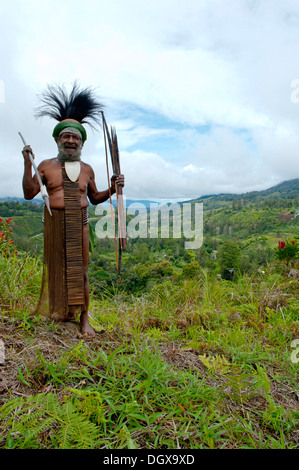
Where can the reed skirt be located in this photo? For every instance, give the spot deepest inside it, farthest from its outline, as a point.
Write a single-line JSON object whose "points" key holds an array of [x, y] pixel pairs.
{"points": [[62, 290]]}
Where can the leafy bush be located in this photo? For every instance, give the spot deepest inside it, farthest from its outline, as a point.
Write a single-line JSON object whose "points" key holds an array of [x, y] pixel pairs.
{"points": [[287, 251]]}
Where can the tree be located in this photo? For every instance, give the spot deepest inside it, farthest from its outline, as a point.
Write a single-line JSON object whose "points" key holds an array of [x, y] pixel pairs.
{"points": [[229, 259], [191, 269]]}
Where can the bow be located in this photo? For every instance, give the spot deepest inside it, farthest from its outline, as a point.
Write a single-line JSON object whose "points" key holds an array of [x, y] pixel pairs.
{"points": [[114, 153]]}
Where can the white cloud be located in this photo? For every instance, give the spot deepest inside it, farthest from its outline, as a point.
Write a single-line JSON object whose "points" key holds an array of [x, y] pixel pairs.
{"points": [[224, 65], [191, 168]]}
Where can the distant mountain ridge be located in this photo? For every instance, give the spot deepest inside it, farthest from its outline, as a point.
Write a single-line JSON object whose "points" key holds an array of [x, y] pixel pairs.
{"points": [[20, 200], [286, 190], [129, 202]]}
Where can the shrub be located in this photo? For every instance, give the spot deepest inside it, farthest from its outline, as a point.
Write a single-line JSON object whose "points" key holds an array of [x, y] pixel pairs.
{"points": [[6, 242], [287, 251]]}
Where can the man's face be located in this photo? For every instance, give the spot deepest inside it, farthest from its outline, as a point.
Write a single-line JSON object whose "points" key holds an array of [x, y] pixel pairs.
{"points": [[69, 146]]}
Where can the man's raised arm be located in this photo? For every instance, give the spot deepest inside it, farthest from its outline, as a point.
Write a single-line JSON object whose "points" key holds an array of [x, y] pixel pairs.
{"points": [[30, 184]]}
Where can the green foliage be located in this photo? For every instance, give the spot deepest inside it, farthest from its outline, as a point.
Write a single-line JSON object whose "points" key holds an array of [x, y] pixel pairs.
{"points": [[20, 280], [25, 221], [216, 363], [91, 238], [90, 403], [15, 208], [141, 275], [229, 258], [191, 269], [287, 251], [6, 242], [26, 422]]}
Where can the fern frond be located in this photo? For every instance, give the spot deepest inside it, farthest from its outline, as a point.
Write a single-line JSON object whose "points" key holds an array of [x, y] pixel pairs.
{"points": [[77, 431], [90, 403], [217, 363], [10, 407], [27, 420]]}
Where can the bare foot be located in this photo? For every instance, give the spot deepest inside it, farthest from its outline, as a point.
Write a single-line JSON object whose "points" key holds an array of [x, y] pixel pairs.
{"points": [[86, 329]]}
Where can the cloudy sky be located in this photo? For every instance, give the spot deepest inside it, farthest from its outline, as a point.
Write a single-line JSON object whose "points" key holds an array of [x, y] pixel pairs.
{"points": [[204, 94]]}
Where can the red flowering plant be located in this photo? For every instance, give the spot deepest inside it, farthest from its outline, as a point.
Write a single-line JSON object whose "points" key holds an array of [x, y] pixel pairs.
{"points": [[287, 251], [6, 242]]}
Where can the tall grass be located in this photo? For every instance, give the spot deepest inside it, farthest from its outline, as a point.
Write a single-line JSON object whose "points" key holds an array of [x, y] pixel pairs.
{"points": [[20, 280]]}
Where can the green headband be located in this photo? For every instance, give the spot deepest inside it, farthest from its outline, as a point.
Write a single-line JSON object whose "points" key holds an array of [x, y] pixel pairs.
{"points": [[75, 125]]}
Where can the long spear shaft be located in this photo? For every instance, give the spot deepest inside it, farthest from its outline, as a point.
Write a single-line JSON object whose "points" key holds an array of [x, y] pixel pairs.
{"points": [[43, 189]]}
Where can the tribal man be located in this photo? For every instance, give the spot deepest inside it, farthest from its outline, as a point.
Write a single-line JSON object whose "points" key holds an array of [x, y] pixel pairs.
{"points": [[70, 184]]}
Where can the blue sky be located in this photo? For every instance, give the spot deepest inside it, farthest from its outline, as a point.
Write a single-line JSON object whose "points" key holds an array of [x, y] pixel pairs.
{"points": [[156, 132], [200, 91]]}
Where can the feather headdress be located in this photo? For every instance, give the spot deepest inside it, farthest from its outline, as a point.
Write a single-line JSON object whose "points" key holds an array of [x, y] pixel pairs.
{"points": [[71, 110]]}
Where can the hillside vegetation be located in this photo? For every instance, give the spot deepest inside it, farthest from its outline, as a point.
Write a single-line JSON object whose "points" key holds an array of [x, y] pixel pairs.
{"points": [[193, 350]]}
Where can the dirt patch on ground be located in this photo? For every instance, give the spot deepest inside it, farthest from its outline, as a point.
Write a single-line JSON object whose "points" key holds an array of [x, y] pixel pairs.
{"points": [[21, 347]]}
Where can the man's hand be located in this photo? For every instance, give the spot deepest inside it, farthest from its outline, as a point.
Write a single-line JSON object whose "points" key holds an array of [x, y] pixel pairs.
{"points": [[119, 180], [26, 151]]}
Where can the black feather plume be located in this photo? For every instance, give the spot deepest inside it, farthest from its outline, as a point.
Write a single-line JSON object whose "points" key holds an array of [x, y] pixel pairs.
{"points": [[80, 105]]}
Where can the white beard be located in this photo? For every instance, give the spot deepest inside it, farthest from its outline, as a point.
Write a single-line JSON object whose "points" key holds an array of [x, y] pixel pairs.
{"points": [[63, 156]]}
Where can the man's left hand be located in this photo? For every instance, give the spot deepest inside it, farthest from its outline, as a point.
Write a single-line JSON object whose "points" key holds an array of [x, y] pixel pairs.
{"points": [[119, 180]]}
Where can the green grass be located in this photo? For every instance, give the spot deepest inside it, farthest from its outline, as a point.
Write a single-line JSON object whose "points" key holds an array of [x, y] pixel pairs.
{"points": [[200, 364]]}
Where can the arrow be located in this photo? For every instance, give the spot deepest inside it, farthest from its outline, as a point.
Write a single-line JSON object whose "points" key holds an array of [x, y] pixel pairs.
{"points": [[114, 153]]}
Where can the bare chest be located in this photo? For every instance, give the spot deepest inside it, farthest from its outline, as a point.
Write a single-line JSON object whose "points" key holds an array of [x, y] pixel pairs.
{"points": [[54, 179]]}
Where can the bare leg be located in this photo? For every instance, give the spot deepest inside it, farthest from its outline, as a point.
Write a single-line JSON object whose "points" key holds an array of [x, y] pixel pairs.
{"points": [[86, 329]]}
